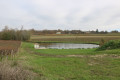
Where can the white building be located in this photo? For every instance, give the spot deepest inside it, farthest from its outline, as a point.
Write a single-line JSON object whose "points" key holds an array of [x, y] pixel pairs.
{"points": [[58, 32], [36, 46]]}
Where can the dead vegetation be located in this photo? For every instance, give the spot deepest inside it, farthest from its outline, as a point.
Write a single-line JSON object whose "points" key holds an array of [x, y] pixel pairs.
{"points": [[9, 48], [14, 34], [83, 39], [10, 71]]}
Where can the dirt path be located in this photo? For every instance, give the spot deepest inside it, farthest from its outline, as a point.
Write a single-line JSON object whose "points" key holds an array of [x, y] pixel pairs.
{"points": [[96, 56], [79, 56]]}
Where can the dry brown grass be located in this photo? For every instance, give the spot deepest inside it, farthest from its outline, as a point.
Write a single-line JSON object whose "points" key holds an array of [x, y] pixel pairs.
{"points": [[83, 39], [10, 71]]}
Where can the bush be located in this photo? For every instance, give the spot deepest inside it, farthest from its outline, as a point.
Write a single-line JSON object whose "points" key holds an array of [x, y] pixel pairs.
{"points": [[12, 34], [113, 44]]}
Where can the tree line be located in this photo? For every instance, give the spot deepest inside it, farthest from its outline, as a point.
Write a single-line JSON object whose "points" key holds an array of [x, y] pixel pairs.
{"points": [[37, 32], [14, 34]]}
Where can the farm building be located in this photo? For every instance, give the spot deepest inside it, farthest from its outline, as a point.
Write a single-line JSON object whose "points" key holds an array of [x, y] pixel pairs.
{"points": [[58, 32]]}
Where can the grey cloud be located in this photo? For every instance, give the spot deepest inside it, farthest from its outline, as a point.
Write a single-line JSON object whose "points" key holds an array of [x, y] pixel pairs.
{"points": [[61, 14]]}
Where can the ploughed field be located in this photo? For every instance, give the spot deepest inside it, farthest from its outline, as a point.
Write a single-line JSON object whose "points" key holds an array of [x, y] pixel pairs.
{"points": [[9, 47], [72, 38]]}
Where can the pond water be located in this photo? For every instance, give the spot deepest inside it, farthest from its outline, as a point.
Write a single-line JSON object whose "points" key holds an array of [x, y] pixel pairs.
{"points": [[64, 46]]}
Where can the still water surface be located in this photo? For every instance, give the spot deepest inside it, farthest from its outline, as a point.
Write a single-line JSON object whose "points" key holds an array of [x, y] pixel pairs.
{"points": [[66, 46]]}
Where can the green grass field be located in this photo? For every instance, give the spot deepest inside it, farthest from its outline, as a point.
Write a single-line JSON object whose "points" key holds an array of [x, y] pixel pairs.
{"points": [[93, 65]]}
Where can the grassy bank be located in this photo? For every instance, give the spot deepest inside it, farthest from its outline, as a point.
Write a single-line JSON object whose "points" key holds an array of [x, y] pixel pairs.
{"points": [[70, 68]]}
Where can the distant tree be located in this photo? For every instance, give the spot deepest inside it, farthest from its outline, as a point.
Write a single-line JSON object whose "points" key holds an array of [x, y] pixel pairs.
{"points": [[66, 31], [114, 31], [32, 31], [106, 32], [6, 28], [97, 31], [103, 32]]}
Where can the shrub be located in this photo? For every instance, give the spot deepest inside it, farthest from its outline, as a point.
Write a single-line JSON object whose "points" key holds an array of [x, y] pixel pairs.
{"points": [[12, 34], [113, 44]]}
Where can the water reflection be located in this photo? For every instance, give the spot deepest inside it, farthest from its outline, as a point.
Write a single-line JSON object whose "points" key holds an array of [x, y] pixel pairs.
{"points": [[64, 46]]}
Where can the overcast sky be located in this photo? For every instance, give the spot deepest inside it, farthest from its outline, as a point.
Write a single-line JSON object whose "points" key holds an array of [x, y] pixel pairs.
{"points": [[61, 14]]}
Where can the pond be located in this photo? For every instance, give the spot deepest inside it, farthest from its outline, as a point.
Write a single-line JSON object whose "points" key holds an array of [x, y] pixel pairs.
{"points": [[64, 46]]}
